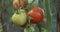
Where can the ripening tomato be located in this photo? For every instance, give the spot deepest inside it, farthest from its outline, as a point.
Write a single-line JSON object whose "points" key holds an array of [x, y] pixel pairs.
{"points": [[16, 3], [36, 14], [22, 3]]}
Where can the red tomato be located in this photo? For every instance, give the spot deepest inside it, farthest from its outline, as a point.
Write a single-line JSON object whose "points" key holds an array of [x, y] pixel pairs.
{"points": [[16, 3], [22, 3], [36, 14]]}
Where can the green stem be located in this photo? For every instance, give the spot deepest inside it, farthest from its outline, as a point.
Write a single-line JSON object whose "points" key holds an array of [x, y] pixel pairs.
{"points": [[48, 15]]}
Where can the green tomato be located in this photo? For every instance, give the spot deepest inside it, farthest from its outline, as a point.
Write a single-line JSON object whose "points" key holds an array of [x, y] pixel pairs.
{"points": [[20, 18]]}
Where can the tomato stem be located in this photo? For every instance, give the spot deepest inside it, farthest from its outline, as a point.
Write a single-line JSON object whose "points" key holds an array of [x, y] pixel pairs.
{"points": [[47, 9]]}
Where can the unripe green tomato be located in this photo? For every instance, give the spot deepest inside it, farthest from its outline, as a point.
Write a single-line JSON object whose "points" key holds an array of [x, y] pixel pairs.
{"points": [[20, 18]]}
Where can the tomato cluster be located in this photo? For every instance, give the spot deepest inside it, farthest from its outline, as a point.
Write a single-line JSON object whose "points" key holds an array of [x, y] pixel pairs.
{"points": [[35, 13]]}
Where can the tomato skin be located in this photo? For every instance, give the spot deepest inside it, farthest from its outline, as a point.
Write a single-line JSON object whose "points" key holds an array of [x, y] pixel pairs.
{"points": [[36, 14], [15, 3]]}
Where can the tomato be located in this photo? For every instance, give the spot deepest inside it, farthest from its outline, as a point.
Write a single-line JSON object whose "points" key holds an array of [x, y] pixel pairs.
{"points": [[36, 14], [22, 3], [15, 3], [20, 18]]}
